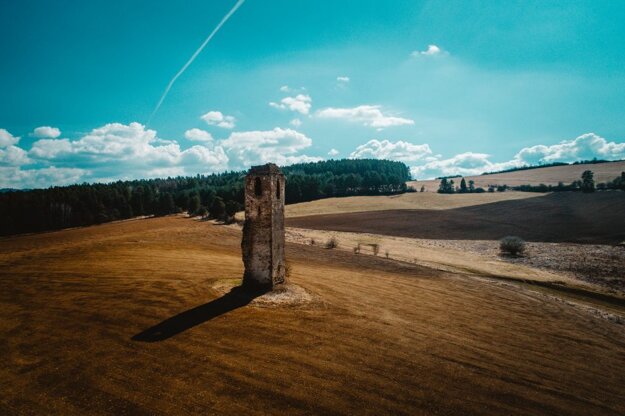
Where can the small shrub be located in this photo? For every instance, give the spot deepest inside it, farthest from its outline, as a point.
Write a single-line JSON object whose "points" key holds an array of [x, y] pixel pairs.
{"points": [[202, 212], [332, 243], [376, 249], [512, 245], [357, 250], [386, 253], [312, 242]]}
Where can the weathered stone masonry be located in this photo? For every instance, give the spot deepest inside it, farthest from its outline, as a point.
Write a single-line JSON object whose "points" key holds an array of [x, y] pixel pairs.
{"points": [[263, 232]]}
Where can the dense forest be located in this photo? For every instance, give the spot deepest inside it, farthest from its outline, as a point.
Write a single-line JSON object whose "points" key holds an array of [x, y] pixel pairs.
{"points": [[218, 195]]}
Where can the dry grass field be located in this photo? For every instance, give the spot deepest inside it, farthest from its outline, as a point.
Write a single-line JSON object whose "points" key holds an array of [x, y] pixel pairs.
{"points": [[124, 318], [604, 172], [556, 217], [414, 200]]}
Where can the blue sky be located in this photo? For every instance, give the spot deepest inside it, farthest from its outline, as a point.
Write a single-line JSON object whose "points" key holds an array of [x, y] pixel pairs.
{"points": [[447, 87]]}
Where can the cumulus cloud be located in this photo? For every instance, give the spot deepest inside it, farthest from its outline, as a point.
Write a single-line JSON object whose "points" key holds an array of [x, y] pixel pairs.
{"points": [[342, 79], [432, 50], [369, 115], [217, 118], [122, 151], [465, 164], [13, 156], [296, 122], [333, 152], [400, 150], [585, 147], [7, 139], [279, 146], [424, 165], [301, 103], [198, 135], [46, 132], [14, 177]]}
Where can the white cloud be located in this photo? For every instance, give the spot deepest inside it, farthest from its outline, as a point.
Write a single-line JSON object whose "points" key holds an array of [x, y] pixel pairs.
{"points": [[333, 152], [217, 118], [465, 164], [121, 151], [13, 156], [46, 132], [198, 135], [279, 146], [13, 177], [585, 147], [301, 103], [369, 115], [432, 50], [7, 139], [342, 79], [296, 122], [285, 88], [400, 150]]}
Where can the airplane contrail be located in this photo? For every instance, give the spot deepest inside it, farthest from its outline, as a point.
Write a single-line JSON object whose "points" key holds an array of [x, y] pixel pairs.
{"points": [[195, 54]]}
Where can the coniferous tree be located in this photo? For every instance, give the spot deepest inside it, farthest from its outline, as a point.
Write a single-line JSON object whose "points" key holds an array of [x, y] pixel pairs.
{"points": [[463, 186], [588, 182], [194, 204], [218, 209]]}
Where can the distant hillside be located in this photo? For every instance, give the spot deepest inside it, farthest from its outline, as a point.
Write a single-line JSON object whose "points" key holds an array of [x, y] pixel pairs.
{"points": [[218, 195], [604, 172], [556, 217]]}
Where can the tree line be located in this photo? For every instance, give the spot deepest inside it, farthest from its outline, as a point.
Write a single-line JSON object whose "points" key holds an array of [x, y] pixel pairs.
{"points": [[216, 196], [547, 165], [585, 184]]}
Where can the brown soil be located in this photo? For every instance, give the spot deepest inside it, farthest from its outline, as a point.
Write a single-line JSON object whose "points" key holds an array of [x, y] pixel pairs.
{"points": [[123, 319], [558, 217], [604, 172]]}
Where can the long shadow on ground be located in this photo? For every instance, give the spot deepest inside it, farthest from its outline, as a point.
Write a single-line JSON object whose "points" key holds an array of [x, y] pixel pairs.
{"points": [[236, 298]]}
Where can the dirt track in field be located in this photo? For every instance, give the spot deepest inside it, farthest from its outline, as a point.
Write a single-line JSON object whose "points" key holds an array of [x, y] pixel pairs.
{"points": [[558, 217], [381, 337]]}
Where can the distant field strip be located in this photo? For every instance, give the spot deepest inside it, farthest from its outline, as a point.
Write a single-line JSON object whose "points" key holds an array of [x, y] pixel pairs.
{"points": [[558, 217]]}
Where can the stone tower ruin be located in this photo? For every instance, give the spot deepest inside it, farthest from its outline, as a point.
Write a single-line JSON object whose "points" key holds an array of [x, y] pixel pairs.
{"points": [[263, 232]]}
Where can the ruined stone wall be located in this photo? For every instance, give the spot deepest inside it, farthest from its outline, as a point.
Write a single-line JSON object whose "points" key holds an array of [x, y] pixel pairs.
{"points": [[263, 232]]}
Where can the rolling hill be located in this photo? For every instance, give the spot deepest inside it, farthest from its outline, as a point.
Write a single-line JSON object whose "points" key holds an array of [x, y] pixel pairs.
{"points": [[378, 336], [549, 176], [557, 217]]}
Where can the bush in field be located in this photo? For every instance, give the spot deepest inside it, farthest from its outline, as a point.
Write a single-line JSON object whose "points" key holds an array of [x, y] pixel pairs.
{"points": [[202, 211], [512, 245], [588, 181], [332, 243]]}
